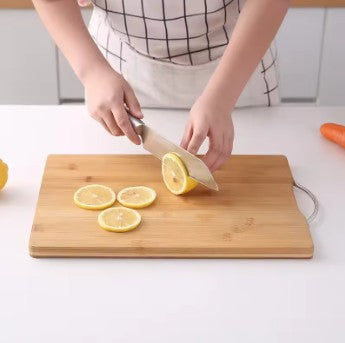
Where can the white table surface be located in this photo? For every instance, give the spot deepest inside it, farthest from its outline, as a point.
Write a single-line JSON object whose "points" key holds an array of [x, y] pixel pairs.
{"points": [[162, 300]]}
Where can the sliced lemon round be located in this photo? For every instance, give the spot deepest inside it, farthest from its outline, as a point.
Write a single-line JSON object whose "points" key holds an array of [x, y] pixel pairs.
{"points": [[175, 174], [3, 174], [136, 197], [119, 219], [94, 197]]}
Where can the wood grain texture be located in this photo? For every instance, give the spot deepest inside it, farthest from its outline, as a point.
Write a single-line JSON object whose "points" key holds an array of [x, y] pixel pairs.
{"points": [[17, 4], [318, 3], [294, 3], [253, 215]]}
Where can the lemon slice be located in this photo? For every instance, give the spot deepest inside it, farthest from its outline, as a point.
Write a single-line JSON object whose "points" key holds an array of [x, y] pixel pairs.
{"points": [[175, 174], [94, 197], [119, 219], [136, 197], [3, 174]]}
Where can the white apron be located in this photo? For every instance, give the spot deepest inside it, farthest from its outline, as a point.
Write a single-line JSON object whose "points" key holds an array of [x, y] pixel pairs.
{"points": [[164, 84]]}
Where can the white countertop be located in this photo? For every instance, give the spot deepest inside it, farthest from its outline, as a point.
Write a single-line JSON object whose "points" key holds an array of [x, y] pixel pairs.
{"points": [[162, 300]]}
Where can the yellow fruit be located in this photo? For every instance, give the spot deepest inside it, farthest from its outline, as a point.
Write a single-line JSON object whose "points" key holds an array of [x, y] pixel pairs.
{"points": [[94, 197], [175, 175], [136, 197], [119, 219], [3, 174]]}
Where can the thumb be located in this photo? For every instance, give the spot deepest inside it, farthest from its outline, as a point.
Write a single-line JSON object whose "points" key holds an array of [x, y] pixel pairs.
{"points": [[132, 102]]}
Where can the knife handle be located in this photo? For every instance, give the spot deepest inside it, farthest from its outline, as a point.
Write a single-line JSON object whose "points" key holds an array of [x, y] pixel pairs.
{"points": [[137, 123]]}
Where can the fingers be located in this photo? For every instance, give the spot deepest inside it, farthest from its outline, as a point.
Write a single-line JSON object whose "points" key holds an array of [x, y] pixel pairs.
{"points": [[224, 153], [186, 136], [106, 119], [112, 114], [216, 143], [109, 120], [102, 122], [198, 136], [118, 124], [132, 102], [124, 124]]}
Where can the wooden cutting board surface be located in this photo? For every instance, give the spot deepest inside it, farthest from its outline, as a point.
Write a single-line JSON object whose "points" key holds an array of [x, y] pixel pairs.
{"points": [[254, 215]]}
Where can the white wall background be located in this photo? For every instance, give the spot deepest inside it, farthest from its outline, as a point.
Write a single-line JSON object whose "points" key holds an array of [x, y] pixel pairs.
{"points": [[28, 73], [299, 43], [332, 71]]}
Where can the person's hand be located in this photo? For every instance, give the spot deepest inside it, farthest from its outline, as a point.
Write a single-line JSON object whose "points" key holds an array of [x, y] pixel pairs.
{"points": [[207, 119], [84, 3], [107, 93]]}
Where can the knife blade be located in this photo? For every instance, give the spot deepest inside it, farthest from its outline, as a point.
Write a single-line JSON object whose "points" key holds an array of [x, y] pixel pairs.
{"points": [[159, 146]]}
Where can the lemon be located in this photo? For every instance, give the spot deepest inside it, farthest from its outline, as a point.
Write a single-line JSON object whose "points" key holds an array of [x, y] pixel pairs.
{"points": [[136, 197], [94, 197], [119, 219], [3, 174], [175, 174]]}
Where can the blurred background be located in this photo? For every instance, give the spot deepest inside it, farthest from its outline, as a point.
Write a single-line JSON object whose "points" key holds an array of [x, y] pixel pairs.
{"points": [[311, 55]]}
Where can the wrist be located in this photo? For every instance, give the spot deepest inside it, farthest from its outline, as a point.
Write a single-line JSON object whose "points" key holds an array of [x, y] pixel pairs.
{"points": [[218, 101], [87, 71]]}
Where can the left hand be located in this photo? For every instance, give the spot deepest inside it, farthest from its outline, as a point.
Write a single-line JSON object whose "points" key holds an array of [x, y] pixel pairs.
{"points": [[206, 119]]}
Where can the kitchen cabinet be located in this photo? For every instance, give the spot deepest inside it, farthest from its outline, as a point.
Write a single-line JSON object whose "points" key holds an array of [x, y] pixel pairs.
{"points": [[299, 44], [332, 74], [28, 60], [70, 88]]}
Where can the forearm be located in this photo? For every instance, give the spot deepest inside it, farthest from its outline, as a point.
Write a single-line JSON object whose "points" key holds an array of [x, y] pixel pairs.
{"points": [[65, 24], [255, 29]]}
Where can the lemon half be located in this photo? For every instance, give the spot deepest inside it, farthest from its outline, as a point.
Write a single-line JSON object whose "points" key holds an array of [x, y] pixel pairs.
{"points": [[119, 219], [136, 197], [3, 174], [94, 197], [175, 174]]}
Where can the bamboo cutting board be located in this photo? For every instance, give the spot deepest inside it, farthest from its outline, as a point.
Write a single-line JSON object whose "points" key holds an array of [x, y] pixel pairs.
{"points": [[254, 215]]}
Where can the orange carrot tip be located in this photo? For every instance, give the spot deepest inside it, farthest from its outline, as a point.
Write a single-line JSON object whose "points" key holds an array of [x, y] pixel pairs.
{"points": [[334, 132]]}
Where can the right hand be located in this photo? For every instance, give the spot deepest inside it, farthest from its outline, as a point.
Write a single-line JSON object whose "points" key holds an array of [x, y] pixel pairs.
{"points": [[107, 93]]}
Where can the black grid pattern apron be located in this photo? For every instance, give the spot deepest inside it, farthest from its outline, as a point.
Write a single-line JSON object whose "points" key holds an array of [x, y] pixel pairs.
{"points": [[168, 49]]}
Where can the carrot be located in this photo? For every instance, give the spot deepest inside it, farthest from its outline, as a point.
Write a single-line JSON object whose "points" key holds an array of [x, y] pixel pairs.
{"points": [[334, 132]]}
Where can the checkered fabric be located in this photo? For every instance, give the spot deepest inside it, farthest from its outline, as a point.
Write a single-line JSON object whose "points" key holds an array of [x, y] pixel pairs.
{"points": [[183, 32]]}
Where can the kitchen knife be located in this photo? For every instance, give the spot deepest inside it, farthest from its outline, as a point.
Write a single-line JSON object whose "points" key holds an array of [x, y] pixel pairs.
{"points": [[159, 146]]}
